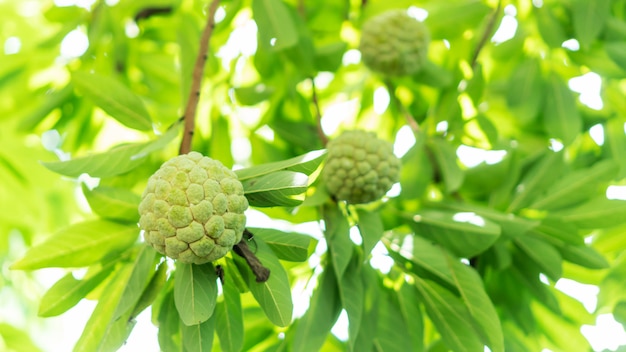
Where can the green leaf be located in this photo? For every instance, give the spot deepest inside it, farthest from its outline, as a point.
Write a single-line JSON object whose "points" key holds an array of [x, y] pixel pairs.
{"points": [[619, 313], [276, 26], [561, 118], [449, 316], [543, 254], [254, 94], [289, 246], [68, 291], [577, 186], [393, 332], [466, 234], [352, 295], [371, 228], [114, 98], [16, 340], [433, 75], [276, 189], [478, 304], [324, 309], [594, 214], [541, 175], [113, 203], [154, 288], [198, 337], [102, 317], [589, 18], [229, 318], [143, 269], [616, 139], [584, 256], [445, 155], [306, 164], [450, 19], [549, 26], [369, 324], [220, 136], [412, 315], [79, 245], [617, 52], [169, 325], [337, 234], [116, 161], [273, 295], [525, 91], [195, 292]]}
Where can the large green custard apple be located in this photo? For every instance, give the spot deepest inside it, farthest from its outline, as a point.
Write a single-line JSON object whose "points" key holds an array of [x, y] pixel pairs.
{"points": [[360, 168], [394, 43], [192, 209]]}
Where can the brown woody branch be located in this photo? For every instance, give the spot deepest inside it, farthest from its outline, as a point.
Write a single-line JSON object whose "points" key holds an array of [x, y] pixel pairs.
{"points": [[198, 71], [488, 32], [261, 273]]}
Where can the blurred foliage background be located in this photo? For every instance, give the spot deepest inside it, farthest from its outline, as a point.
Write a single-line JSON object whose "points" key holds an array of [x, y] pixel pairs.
{"points": [[521, 117]]}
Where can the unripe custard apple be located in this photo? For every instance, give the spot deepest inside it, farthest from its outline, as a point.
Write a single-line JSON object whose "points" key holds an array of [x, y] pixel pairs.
{"points": [[192, 209], [360, 168], [394, 43]]}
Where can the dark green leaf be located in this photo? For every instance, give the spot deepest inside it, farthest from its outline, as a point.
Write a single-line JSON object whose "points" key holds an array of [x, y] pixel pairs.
{"points": [[371, 229], [584, 256], [616, 140], [445, 155], [596, 213], [289, 246], [142, 271], [589, 18], [276, 189], [113, 203], [199, 337], [543, 254], [352, 295], [542, 174], [617, 53], [412, 314], [169, 334], [392, 333], [525, 91], [114, 98], [306, 164], [229, 318], [450, 19], [337, 234], [79, 245], [619, 313], [252, 95], [276, 26], [195, 292]]}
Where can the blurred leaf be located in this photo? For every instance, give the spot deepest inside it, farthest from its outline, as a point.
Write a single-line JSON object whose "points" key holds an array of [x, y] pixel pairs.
{"points": [[289, 246], [52, 100], [195, 292], [541, 175], [561, 118], [328, 57], [352, 295], [79, 245], [198, 337], [584, 256], [466, 234], [371, 229], [433, 75], [542, 253], [254, 94], [616, 140], [15, 340], [337, 234], [68, 291], [142, 271], [116, 161], [412, 315], [393, 332], [276, 26], [306, 164], [549, 26], [169, 334], [229, 319], [451, 19], [273, 295], [324, 309], [617, 53], [589, 18], [619, 313], [113, 203], [596, 213], [445, 155], [275, 189], [525, 91], [114, 98], [154, 288]]}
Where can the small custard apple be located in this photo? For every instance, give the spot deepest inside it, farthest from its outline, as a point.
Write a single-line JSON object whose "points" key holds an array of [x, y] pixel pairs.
{"points": [[360, 168], [394, 44], [192, 209]]}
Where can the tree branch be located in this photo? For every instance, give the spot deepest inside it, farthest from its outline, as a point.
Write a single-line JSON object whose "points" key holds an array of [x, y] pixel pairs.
{"points": [[261, 273], [486, 35], [318, 113], [410, 120], [198, 71]]}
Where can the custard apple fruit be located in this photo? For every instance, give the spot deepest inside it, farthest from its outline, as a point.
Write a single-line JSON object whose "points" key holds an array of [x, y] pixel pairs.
{"points": [[192, 209], [360, 168], [394, 44]]}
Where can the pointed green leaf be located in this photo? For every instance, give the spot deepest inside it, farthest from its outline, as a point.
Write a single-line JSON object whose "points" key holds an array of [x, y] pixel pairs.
{"points": [[68, 291], [276, 26], [541, 175], [142, 271], [199, 337], [116, 161], [589, 18], [445, 155], [229, 318], [547, 258], [324, 309], [337, 234], [525, 91], [289, 246], [584, 256], [594, 214], [273, 295], [371, 229], [412, 315], [113, 203], [392, 333], [79, 245], [306, 164], [195, 292], [150, 293], [466, 234], [169, 334], [561, 118], [352, 295], [276, 189], [114, 98]]}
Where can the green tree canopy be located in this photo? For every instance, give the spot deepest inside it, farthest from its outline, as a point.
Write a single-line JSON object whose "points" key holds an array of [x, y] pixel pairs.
{"points": [[510, 131]]}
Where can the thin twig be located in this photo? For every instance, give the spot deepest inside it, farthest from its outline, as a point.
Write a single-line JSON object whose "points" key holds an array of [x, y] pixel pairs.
{"points": [[410, 120], [198, 71], [486, 35], [318, 113]]}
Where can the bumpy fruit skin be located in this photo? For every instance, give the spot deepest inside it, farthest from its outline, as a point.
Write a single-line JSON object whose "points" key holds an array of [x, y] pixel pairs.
{"points": [[394, 44], [360, 168], [192, 209]]}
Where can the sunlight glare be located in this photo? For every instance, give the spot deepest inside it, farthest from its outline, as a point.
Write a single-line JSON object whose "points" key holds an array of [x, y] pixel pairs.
{"points": [[597, 134], [589, 86], [74, 44]]}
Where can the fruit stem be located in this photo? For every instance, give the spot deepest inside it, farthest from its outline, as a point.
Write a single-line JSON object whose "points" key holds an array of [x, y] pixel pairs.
{"points": [[261, 273], [486, 35], [196, 80]]}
